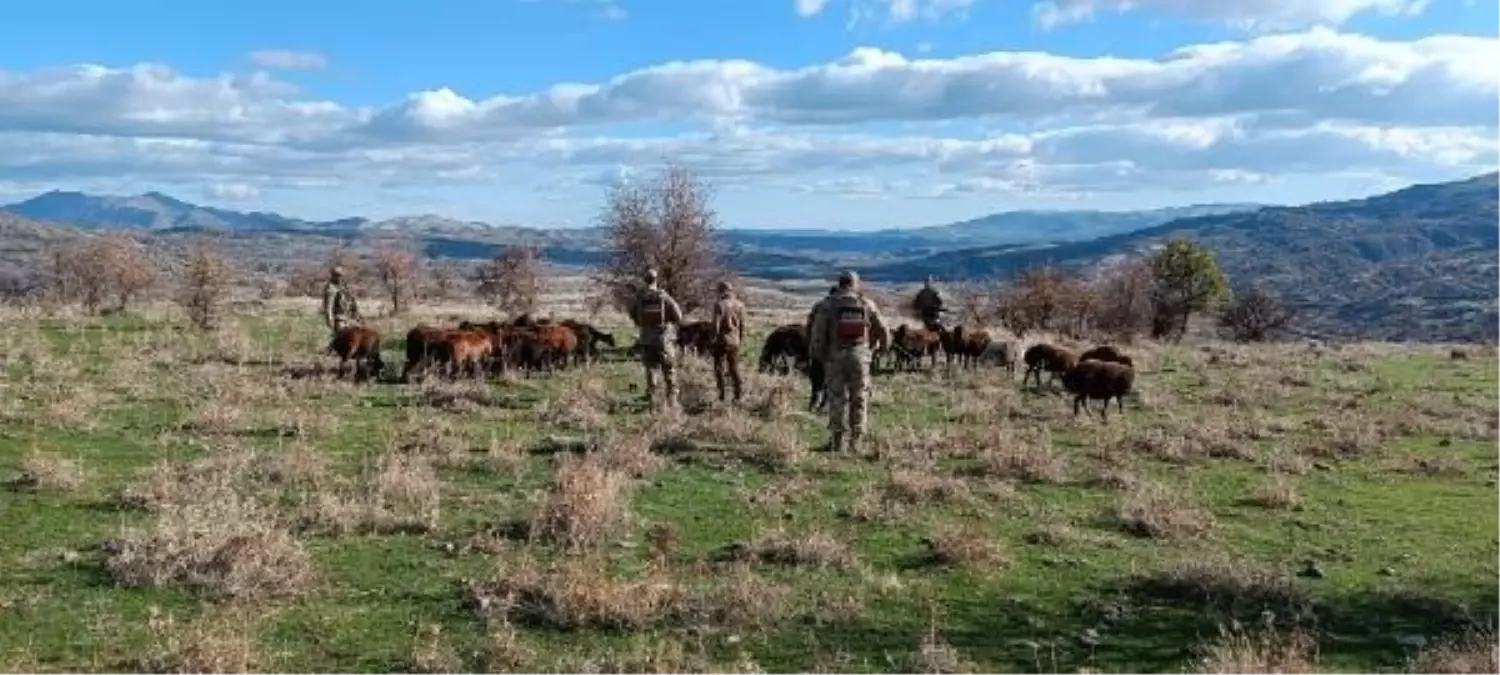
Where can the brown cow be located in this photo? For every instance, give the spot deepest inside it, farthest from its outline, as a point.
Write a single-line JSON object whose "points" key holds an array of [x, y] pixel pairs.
{"points": [[468, 351], [911, 344], [1099, 380], [1051, 358], [360, 345], [589, 339], [1106, 353], [967, 345], [424, 345]]}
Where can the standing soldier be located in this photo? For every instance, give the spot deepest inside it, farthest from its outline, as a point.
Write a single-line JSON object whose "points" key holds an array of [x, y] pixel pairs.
{"points": [[339, 306], [729, 334], [816, 373], [843, 325], [656, 314], [929, 304]]}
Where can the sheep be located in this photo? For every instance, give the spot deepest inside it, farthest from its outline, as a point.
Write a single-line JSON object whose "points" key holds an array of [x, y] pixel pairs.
{"points": [[1099, 380]]}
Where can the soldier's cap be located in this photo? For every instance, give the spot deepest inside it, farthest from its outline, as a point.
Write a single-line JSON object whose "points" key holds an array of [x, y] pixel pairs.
{"points": [[336, 270], [725, 287], [650, 274], [848, 278]]}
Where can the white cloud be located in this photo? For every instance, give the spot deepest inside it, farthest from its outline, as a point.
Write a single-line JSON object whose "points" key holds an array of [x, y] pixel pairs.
{"points": [[1248, 14], [890, 11], [285, 59], [1231, 113], [231, 192]]}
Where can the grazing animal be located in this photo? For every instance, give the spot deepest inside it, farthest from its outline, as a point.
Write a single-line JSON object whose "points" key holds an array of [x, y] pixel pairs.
{"points": [[968, 346], [468, 351], [589, 339], [695, 337], [1106, 353], [424, 346], [910, 345], [1097, 380], [1001, 354], [1051, 358], [360, 345], [784, 348]]}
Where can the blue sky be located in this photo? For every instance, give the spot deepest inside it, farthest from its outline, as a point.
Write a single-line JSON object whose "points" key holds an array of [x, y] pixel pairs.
{"points": [[802, 113]]}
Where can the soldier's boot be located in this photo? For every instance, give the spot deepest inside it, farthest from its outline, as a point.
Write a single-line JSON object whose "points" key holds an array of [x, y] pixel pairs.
{"points": [[836, 442], [853, 445]]}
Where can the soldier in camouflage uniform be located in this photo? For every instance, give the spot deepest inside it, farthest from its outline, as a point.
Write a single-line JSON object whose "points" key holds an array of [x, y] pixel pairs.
{"points": [[815, 370], [929, 305], [729, 334], [657, 315], [339, 306], [844, 325]]}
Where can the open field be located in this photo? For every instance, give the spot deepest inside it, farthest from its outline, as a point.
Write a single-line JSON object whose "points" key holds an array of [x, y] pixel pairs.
{"points": [[185, 502]]}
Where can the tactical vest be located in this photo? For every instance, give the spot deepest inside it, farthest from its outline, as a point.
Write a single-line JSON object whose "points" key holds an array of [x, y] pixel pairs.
{"points": [[851, 321], [653, 309]]}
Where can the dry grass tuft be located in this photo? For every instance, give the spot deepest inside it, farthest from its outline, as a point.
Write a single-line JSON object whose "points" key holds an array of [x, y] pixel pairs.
{"points": [[917, 486], [50, 471], [810, 549], [578, 593], [225, 544], [745, 600], [586, 503], [222, 643], [432, 654], [1277, 491], [1055, 535], [1156, 511], [1219, 583], [964, 546], [1350, 437], [402, 493], [582, 406], [935, 655], [1013, 456], [1268, 651], [1475, 651]]}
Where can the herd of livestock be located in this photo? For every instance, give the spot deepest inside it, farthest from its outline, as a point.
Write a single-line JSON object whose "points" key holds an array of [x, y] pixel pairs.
{"points": [[529, 345]]}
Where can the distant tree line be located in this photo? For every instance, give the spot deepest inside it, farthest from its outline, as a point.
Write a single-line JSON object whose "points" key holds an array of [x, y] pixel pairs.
{"points": [[665, 222]]}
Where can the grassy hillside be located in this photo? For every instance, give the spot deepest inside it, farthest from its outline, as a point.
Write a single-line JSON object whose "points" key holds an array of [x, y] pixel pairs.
{"points": [[185, 502], [1415, 264]]}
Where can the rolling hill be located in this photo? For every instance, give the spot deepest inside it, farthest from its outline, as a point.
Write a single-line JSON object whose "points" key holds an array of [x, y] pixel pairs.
{"points": [[1415, 264]]}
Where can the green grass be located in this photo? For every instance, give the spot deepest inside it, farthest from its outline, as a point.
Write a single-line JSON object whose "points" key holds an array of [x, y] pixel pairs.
{"points": [[1391, 454]]}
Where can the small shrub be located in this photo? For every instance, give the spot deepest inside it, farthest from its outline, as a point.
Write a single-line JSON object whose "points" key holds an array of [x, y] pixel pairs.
{"points": [[1269, 651], [213, 644], [585, 505], [1277, 491], [811, 549], [1472, 652], [1155, 511]]}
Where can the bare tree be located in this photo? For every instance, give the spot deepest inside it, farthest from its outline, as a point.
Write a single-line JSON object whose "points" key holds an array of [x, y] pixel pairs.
{"points": [[665, 223], [512, 280], [204, 287], [1124, 303], [122, 266], [396, 266], [1256, 315], [445, 277]]}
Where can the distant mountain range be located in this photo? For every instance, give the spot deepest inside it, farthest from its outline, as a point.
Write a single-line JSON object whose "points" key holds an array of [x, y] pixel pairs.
{"points": [[1417, 263], [157, 212]]}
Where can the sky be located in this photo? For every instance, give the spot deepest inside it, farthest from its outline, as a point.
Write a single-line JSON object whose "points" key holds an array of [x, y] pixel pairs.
{"points": [[847, 114]]}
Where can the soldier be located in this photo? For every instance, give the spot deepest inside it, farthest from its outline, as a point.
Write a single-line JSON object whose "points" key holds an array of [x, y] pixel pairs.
{"points": [[815, 371], [929, 304], [657, 315], [843, 326], [339, 305], [729, 333]]}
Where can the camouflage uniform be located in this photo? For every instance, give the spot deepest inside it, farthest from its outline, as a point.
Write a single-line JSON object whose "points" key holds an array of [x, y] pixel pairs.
{"points": [[729, 334], [929, 304], [657, 315], [843, 327], [815, 370], [339, 306]]}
